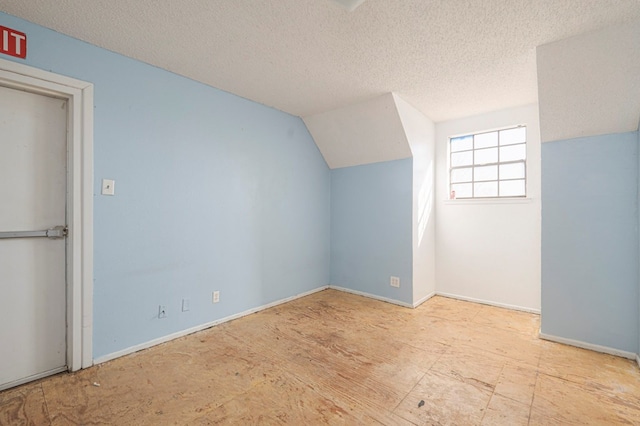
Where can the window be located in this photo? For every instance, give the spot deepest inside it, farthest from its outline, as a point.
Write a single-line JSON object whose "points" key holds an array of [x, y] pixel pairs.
{"points": [[488, 164]]}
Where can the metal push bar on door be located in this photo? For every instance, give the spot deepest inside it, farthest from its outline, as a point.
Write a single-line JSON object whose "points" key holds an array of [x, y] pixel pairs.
{"points": [[52, 233]]}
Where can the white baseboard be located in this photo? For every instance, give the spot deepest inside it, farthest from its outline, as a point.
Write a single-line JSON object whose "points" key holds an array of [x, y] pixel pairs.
{"points": [[200, 327], [371, 296], [424, 299], [489, 302], [590, 346]]}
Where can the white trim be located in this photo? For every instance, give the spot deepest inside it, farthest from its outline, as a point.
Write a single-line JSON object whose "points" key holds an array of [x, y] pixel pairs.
{"points": [[424, 299], [201, 327], [45, 76], [490, 303], [489, 200], [638, 359], [79, 95], [371, 296], [590, 346], [87, 227], [495, 129]]}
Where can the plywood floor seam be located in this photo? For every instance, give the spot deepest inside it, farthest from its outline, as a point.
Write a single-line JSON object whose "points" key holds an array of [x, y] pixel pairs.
{"points": [[338, 358]]}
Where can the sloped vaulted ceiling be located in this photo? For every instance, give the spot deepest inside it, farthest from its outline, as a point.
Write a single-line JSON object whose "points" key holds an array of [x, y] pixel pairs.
{"points": [[590, 84], [367, 132]]}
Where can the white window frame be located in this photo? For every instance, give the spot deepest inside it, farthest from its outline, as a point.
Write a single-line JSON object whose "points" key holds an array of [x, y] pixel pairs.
{"points": [[498, 163]]}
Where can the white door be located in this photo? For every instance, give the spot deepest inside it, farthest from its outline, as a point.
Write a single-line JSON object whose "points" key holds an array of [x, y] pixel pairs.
{"points": [[33, 177]]}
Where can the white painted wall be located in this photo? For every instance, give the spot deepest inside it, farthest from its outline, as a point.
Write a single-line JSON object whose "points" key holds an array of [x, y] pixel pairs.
{"points": [[420, 133], [490, 250]]}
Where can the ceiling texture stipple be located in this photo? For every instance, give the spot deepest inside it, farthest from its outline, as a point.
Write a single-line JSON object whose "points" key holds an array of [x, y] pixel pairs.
{"points": [[590, 84], [448, 58]]}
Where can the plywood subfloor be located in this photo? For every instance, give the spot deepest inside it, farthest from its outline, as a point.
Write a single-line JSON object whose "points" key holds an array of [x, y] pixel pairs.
{"points": [[337, 358]]}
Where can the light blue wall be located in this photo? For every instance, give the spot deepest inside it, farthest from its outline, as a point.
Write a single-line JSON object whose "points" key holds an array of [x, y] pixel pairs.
{"points": [[371, 228], [213, 192], [590, 240]]}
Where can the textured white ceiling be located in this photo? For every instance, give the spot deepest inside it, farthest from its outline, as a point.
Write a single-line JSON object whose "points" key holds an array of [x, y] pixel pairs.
{"points": [[364, 133], [449, 59], [590, 84]]}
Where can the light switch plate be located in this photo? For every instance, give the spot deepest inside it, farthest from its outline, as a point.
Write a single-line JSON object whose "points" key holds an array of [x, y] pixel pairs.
{"points": [[108, 187]]}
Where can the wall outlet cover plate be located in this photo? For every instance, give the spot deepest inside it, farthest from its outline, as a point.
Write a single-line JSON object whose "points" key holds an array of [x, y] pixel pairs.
{"points": [[108, 187]]}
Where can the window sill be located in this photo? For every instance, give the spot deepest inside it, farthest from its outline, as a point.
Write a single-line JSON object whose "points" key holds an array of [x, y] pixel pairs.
{"points": [[514, 200]]}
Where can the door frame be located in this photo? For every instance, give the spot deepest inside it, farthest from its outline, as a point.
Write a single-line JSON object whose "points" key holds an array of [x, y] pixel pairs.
{"points": [[79, 247]]}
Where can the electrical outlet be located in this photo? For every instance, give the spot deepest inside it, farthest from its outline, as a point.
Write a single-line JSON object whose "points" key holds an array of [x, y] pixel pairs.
{"points": [[394, 281], [216, 296], [186, 305], [162, 311]]}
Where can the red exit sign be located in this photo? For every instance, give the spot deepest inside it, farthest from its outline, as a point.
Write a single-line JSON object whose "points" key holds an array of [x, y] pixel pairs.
{"points": [[13, 42]]}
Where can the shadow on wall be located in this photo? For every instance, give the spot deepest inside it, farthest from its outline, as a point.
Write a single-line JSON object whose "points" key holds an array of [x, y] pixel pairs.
{"points": [[425, 202]]}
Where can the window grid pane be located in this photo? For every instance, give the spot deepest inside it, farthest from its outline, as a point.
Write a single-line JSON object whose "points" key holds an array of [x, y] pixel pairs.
{"points": [[463, 190], [513, 136], [464, 143], [464, 158], [485, 140], [512, 188], [512, 170], [485, 173], [513, 152], [485, 189], [461, 175], [488, 164], [485, 156]]}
